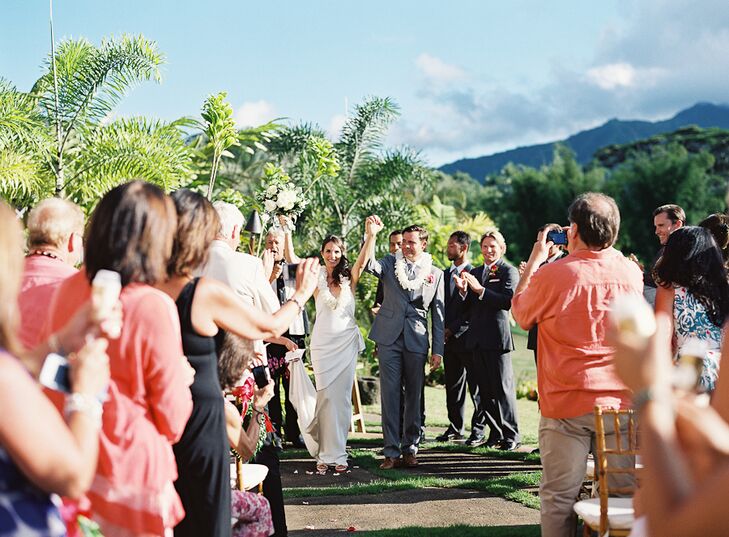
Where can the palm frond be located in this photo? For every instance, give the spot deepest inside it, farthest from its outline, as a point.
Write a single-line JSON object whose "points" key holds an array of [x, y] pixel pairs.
{"points": [[131, 148], [363, 133], [23, 181], [92, 80]]}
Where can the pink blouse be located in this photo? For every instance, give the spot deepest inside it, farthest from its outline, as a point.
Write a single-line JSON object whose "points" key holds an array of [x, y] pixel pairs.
{"points": [[148, 406]]}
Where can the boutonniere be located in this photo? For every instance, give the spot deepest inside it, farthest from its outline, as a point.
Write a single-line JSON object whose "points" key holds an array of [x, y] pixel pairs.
{"points": [[493, 270], [430, 279]]}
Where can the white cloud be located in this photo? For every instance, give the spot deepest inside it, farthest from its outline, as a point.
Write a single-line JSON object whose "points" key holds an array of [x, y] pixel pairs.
{"points": [[437, 70], [254, 113], [334, 129], [613, 75]]}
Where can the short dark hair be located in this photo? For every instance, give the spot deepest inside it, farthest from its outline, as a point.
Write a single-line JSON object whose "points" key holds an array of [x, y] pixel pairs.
{"points": [[422, 232], [462, 238], [198, 224], [131, 231], [597, 217], [549, 227], [394, 232], [673, 212]]}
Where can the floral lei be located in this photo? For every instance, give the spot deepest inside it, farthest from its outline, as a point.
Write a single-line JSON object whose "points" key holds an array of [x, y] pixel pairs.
{"points": [[244, 394], [423, 277], [333, 302]]}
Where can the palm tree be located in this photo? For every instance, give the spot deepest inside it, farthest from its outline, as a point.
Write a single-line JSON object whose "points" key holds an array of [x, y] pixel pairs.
{"points": [[70, 137], [368, 177]]}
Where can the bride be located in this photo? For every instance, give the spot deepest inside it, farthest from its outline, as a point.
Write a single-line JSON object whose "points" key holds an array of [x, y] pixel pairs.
{"points": [[335, 344]]}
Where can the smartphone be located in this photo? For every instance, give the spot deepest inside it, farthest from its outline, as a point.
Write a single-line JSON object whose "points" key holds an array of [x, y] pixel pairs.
{"points": [[55, 373], [557, 236], [261, 375]]}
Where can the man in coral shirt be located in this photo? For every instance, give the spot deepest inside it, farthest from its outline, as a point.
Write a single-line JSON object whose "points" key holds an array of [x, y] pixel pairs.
{"points": [[570, 300], [55, 246]]}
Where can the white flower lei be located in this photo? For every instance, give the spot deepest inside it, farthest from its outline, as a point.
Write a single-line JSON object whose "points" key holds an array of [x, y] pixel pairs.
{"points": [[333, 302], [402, 276]]}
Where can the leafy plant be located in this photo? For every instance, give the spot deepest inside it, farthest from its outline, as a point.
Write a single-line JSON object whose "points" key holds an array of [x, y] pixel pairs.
{"points": [[220, 131]]}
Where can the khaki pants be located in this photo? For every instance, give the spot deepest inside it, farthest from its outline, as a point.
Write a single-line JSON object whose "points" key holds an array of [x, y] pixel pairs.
{"points": [[563, 446]]}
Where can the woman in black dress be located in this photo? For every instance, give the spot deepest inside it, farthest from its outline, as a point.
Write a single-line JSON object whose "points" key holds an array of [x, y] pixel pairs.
{"points": [[205, 306]]}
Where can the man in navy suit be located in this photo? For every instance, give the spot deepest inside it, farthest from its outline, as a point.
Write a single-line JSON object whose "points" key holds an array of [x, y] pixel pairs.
{"points": [[487, 291], [456, 359]]}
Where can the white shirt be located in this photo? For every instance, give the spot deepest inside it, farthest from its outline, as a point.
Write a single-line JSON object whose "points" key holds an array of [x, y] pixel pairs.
{"points": [[244, 274], [298, 327]]}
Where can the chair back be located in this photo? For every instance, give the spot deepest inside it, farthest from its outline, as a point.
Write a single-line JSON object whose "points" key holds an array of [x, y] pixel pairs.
{"points": [[623, 425]]}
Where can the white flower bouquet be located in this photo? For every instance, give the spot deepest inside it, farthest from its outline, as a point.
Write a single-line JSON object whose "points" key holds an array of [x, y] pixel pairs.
{"points": [[280, 196]]}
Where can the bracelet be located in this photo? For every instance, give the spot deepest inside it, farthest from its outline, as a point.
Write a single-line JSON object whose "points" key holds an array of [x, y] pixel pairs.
{"points": [[86, 404], [55, 345], [296, 301]]}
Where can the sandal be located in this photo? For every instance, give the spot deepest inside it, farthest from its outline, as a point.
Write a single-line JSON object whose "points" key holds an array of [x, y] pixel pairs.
{"points": [[341, 468], [321, 469]]}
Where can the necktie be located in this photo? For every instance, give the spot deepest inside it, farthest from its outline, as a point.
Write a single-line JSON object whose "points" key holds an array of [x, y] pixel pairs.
{"points": [[452, 282]]}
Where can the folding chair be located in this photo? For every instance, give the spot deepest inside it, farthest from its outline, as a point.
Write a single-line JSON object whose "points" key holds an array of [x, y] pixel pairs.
{"points": [[608, 514]]}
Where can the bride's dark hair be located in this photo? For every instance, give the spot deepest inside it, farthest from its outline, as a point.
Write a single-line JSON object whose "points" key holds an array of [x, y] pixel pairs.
{"points": [[342, 269]]}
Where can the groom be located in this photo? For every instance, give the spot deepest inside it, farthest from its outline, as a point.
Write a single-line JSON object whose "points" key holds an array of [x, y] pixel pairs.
{"points": [[412, 286]]}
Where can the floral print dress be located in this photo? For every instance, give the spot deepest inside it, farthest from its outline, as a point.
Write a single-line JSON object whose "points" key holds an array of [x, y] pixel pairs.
{"points": [[691, 321]]}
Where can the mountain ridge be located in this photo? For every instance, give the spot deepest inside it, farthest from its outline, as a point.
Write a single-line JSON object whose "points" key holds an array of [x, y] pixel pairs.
{"points": [[585, 143]]}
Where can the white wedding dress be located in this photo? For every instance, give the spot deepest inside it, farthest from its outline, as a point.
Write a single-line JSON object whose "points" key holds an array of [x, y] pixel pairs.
{"points": [[335, 344]]}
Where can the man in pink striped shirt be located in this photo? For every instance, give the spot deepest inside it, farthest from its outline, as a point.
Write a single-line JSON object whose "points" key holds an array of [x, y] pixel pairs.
{"points": [[570, 300]]}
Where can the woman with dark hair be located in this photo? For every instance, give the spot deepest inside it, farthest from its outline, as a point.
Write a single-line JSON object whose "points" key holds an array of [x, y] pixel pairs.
{"points": [[335, 344], [205, 306], [131, 232], [693, 290], [718, 224]]}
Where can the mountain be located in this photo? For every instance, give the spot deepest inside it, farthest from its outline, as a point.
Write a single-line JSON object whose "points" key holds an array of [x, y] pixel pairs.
{"points": [[586, 143]]}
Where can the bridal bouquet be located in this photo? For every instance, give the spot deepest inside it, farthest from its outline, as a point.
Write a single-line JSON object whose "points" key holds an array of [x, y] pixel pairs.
{"points": [[280, 196]]}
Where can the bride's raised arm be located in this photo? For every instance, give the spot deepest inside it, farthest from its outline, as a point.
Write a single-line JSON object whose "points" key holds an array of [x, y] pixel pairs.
{"points": [[373, 225]]}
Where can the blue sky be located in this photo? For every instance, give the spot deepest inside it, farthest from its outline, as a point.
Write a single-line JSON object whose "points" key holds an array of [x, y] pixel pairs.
{"points": [[471, 77]]}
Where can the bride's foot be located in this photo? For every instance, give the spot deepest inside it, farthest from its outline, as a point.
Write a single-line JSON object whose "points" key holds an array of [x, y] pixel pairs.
{"points": [[341, 468], [321, 469]]}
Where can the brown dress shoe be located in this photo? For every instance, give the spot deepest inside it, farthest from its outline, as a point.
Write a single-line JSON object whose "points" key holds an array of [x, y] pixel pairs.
{"points": [[389, 463], [409, 460]]}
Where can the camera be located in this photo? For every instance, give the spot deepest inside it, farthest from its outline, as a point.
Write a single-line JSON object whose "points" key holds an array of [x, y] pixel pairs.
{"points": [[261, 375], [557, 236]]}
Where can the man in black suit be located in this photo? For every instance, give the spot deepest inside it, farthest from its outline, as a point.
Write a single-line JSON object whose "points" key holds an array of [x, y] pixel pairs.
{"points": [[456, 359], [487, 291]]}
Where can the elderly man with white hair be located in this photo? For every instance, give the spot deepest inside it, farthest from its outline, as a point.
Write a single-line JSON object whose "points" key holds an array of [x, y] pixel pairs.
{"points": [[242, 272], [55, 247]]}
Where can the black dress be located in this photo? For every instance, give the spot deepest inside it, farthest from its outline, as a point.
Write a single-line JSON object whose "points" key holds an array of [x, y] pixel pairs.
{"points": [[202, 453]]}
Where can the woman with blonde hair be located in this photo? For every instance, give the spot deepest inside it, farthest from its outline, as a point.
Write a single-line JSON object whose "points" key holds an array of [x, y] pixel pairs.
{"points": [[41, 455]]}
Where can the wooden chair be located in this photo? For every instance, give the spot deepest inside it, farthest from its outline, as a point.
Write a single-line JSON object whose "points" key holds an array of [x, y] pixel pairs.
{"points": [[358, 422], [608, 513]]}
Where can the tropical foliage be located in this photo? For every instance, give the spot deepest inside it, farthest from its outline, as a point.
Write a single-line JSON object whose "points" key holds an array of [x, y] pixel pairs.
{"points": [[71, 145]]}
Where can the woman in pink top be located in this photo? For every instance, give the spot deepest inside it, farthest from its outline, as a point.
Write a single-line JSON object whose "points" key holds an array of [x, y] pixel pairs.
{"points": [[131, 232]]}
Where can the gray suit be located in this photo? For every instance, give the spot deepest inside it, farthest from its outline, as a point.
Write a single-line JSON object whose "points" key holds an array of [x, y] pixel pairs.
{"points": [[400, 330]]}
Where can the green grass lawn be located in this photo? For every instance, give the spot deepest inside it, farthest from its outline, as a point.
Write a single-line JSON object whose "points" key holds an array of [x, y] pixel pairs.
{"points": [[436, 414]]}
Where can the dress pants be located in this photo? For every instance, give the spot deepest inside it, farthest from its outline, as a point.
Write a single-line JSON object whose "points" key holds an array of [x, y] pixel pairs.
{"points": [[459, 374], [400, 366], [495, 378], [288, 422], [563, 447], [272, 489]]}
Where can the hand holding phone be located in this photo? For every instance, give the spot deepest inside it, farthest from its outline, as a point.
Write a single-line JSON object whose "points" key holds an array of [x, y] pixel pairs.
{"points": [[557, 236], [261, 375]]}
